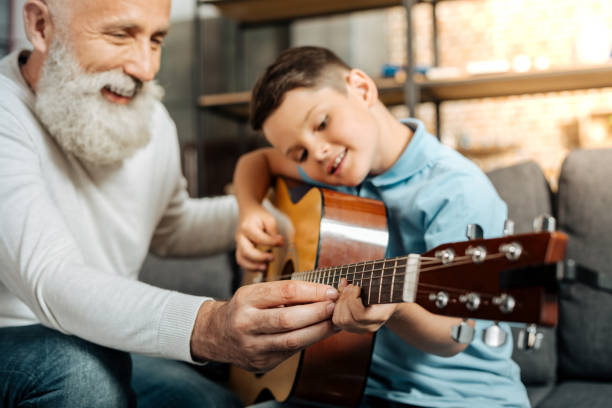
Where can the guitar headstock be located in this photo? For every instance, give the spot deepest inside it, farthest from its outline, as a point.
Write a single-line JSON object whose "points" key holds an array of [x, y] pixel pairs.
{"points": [[511, 278]]}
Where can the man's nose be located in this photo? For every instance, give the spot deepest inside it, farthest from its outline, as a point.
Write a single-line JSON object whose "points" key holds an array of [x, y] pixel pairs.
{"points": [[143, 63]]}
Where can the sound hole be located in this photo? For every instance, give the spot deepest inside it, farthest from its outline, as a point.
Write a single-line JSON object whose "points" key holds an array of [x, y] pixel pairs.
{"points": [[288, 269]]}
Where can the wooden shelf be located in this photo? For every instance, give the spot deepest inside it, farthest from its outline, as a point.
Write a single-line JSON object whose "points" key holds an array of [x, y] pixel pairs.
{"points": [[481, 86], [489, 86], [265, 11]]}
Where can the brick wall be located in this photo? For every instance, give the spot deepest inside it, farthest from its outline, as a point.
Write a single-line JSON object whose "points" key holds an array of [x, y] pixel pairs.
{"points": [[496, 132]]}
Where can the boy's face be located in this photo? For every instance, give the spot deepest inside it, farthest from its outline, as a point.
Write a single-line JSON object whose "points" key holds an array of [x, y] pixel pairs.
{"points": [[333, 136]]}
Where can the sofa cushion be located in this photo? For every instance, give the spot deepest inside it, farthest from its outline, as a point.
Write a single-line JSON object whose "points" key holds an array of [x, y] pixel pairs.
{"points": [[585, 204], [527, 193], [210, 276], [579, 394]]}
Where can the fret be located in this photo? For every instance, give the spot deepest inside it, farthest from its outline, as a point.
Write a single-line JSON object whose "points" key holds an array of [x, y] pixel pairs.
{"points": [[380, 283], [377, 275], [343, 273], [350, 273], [370, 283], [398, 287], [392, 280], [358, 278], [335, 277]]}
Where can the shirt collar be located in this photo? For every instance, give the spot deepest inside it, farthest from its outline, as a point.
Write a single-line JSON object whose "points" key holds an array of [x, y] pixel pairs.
{"points": [[412, 160], [9, 68]]}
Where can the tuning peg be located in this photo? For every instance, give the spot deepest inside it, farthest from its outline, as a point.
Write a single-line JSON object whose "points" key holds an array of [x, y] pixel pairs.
{"points": [[494, 336], [446, 255], [473, 231], [462, 333], [544, 223], [529, 338], [508, 228]]}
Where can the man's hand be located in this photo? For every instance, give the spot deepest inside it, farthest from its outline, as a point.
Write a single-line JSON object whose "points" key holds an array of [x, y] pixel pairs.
{"points": [[351, 315], [264, 323], [256, 229]]}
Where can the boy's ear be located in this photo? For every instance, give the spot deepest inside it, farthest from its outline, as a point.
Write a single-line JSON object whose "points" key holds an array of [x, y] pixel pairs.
{"points": [[38, 25], [360, 83]]}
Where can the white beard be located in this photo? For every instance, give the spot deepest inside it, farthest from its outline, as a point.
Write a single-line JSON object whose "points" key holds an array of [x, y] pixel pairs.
{"points": [[69, 103]]}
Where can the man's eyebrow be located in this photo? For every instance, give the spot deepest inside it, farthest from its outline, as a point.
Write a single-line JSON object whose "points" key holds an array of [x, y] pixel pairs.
{"points": [[134, 27]]}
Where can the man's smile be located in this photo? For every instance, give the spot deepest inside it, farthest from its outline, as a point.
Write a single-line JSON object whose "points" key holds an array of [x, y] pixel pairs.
{"points": [[118, 95]]}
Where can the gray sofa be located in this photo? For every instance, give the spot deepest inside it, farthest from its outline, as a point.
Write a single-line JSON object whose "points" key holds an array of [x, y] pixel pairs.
{"points": [[573, 367]]}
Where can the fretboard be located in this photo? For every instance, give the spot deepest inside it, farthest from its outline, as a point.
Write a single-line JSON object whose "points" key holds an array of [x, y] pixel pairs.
{"points": [[392, 280]]}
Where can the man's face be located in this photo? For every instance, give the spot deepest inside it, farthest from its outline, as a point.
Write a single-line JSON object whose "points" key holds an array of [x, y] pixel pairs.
{"points": [[121, 35], [95, 94], [332, 136]]}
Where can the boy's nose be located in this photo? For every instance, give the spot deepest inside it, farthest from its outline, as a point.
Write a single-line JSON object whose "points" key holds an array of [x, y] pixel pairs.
{"points": [[321, 151]]}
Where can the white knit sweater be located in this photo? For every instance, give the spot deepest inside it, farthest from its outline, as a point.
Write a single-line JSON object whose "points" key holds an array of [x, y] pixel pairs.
{"points": [[73, 236]]}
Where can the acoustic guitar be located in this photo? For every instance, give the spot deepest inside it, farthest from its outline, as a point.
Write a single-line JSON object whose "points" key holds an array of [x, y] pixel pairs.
{"points": [[330, 236]]}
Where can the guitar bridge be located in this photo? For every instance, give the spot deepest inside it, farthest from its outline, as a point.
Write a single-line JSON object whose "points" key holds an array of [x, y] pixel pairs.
{"points": [[411, 278]]}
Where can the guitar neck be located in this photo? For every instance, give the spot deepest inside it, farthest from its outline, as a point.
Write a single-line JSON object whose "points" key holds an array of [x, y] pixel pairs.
{"points": [[509, 278], [392, 280]]}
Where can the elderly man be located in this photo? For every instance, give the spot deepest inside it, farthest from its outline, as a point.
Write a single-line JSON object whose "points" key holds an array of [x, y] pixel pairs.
{"points": [[89, 182]]}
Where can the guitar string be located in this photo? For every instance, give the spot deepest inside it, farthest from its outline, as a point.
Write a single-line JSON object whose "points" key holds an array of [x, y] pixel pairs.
{"points": [[384, 285], [335, 269]]}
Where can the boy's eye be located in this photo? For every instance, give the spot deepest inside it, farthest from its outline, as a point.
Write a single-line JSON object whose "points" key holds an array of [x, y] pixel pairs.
{"points": [[301, 155], [322, 125]]}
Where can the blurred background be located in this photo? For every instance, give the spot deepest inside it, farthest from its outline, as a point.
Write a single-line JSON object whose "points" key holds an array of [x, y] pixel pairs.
{"points": [[500, 80]]}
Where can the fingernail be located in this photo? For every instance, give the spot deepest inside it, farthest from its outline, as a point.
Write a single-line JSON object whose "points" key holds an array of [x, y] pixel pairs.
{"points": [[330, 308], [332, 294]]}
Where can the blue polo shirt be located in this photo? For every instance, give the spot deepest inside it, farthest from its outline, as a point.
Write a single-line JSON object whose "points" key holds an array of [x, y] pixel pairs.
{"points": [[431, 193]]}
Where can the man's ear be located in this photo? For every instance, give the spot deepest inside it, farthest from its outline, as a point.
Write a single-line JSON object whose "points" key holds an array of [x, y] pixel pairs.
{"points": [[38, 25], [365, 88]]}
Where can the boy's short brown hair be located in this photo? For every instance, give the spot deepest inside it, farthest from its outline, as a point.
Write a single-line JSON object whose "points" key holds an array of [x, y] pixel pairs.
{"points": [[299, 67]]}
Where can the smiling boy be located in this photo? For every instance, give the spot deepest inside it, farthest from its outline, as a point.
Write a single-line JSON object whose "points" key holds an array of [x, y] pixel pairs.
{"points": [[328, 127]]}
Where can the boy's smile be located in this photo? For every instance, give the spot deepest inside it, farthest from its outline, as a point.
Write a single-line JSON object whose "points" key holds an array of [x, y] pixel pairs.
{"points": [[332, 136], [335, 165]]}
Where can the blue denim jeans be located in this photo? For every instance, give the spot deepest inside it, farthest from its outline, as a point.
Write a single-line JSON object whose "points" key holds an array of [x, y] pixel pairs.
{"points": [[40, 367]]}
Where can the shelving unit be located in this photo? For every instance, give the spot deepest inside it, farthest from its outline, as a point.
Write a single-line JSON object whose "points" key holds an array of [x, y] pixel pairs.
{"points": [[474, 87], [266, 11]]}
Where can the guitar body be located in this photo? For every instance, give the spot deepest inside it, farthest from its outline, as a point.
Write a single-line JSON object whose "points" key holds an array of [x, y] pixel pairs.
{"points": [[322, 228]]}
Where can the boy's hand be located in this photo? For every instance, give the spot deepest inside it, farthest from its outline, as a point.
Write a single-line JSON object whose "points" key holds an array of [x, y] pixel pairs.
{"points": [[256, 228], [351, 315]]}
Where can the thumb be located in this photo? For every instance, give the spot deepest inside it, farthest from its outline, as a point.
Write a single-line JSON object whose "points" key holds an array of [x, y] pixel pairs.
{"points": [[271, 227]]}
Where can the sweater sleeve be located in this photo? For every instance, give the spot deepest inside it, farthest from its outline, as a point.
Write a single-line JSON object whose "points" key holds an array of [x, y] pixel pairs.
{"points": [[42, 266], [203, 226]]}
